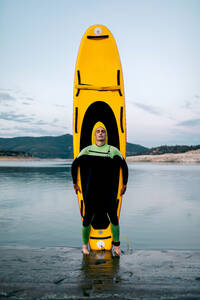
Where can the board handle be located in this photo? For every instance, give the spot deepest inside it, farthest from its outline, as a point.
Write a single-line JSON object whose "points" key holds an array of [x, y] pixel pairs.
{"points": [[82, 208], [79, 82], [76, 120], [97, 37], [121, 119], [118, 81]]}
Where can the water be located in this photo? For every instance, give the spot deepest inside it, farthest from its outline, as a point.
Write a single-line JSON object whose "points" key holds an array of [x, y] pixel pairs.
{"points": [[160, 210]]}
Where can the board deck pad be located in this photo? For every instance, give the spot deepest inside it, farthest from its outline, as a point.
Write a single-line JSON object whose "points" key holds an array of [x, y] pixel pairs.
{"points": [[99, 97]]}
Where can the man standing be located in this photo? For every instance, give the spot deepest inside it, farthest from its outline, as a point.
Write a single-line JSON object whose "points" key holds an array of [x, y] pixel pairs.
{"points": [[103, 163]]}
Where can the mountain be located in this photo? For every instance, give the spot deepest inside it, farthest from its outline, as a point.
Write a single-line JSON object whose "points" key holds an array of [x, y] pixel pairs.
{"points": [[50, 146], [134, 149], [43, 147], [169, 149]]}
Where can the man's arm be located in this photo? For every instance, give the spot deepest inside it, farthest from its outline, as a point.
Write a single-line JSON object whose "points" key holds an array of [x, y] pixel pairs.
{"points": [[124, 167], [117, 155], [74, 172], [120, 161], [74, 168]]}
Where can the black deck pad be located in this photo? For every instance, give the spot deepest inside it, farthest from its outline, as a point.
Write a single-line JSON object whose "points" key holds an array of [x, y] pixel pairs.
{"points": [[99, 111]]}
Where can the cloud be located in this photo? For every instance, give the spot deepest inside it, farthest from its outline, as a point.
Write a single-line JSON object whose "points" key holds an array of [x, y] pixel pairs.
{"points": [[26, 103], [51, 123], [38, 131], [190, 123], [13, 95], [183, 136], [22, 118], [6, 97], [40, 122], [148, 108], [12, 116], [32, 130], [192, 104], [4, 128], [60, 105], [196, 96], [29, 99], [22, 114]]}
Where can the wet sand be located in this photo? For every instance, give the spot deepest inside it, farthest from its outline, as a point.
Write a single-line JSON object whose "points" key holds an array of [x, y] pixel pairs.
{"points": [[187, 157], [64, 273]]}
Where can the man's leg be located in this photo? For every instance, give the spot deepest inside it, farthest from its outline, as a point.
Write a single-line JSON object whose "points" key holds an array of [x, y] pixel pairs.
{"points": [[87, 220], [85, 238], [112, 213]]}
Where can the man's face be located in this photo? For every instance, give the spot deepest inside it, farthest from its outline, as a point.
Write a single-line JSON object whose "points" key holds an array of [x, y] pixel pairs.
{"points": [[100, 134]]}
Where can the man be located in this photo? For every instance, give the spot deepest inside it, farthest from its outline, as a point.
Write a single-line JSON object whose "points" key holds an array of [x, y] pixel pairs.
{"points": [[102, 163]]}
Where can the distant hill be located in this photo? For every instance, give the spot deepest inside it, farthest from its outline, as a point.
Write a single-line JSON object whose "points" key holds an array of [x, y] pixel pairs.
{"points": [[49, 146], [134, 149], [42, 147], [169, 149]]}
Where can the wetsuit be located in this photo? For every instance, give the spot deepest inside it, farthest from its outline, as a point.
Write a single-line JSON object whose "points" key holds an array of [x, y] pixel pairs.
{"points": [[99, 167]]}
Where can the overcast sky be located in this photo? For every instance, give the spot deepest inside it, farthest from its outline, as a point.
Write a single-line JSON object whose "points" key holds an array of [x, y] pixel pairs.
{"points": [[159, 46]]}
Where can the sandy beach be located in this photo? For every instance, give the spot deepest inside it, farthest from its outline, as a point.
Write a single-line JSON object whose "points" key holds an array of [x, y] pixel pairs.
{"points": [[15, 158], [64, 273], [187, 157], [11, 158]]}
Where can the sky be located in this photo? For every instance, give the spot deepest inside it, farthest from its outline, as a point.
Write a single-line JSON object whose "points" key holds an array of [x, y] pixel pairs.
{"points": [[159, 47]]}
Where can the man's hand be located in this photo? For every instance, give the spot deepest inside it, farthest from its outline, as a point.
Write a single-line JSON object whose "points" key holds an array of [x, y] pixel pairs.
{"points": [[123, 190], [77, 188]]}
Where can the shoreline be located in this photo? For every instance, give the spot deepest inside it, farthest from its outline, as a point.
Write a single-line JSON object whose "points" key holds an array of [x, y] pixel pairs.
{"points": [[64, 273], [8, 158], [190, 157]]}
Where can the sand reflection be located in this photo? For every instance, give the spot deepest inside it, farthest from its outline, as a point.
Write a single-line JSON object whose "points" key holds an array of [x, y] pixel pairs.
{"points": [[100, 272]]}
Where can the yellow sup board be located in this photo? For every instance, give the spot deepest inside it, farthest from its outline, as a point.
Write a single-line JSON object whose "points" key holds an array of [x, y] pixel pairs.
{"points": [[99, 97]]}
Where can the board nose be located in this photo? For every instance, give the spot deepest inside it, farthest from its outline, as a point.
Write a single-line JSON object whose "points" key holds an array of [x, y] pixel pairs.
{"points": [[98, 30]]}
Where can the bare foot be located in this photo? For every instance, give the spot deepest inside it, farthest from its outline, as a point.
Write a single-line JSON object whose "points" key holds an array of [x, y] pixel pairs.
{"points": [[85, 250], [117, 250]]}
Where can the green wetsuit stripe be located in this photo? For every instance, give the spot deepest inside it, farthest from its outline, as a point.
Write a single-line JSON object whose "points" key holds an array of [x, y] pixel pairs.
{"points": [[115, 232], [98, 152], [85, 234]]}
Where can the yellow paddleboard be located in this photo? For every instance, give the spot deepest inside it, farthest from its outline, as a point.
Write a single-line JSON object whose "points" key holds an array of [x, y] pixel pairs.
{"points": [[99, 97]]}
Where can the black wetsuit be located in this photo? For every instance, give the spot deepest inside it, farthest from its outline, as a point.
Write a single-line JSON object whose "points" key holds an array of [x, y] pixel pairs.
{"points": [[99, 168]]}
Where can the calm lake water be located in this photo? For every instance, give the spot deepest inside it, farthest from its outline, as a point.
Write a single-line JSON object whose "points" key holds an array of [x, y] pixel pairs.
{"points": [[160, 210]]}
